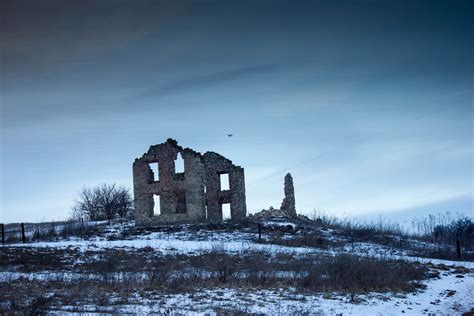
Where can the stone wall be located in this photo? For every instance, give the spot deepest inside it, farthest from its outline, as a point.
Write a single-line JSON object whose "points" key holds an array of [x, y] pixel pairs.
{"points": [[215, 166], [192, 196]]}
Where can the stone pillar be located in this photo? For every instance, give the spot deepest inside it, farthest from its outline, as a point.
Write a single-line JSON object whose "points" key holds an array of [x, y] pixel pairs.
{"points": [[288, 204], [214, 208], [238, 206], [195, 174]]}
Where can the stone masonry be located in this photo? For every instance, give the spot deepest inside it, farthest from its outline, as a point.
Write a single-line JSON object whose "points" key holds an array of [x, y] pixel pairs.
{"points": [[288, 204], [194, 195]]}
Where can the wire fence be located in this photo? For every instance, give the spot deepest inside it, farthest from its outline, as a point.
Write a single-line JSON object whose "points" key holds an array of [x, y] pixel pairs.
{"points": [[30, 232]]}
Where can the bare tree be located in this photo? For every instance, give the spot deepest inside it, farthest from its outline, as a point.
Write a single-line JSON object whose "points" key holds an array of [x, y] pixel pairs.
{"points": [[124, 203], [86, 205], [106, 201]]}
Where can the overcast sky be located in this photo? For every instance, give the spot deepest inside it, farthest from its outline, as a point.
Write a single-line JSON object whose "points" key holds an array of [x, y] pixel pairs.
{"points": [[369, 104]]}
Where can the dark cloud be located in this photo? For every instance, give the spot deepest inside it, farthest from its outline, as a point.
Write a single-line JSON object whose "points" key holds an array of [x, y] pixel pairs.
{"points": [[45, 35], [207, 80]]}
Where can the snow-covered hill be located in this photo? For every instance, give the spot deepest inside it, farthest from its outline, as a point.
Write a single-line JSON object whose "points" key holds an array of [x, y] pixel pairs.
{"points": [[139, 271]]}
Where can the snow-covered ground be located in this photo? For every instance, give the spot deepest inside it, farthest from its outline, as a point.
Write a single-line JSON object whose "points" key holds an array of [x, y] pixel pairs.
{"points": [[448, 295], [451, 293], [231, 243]]}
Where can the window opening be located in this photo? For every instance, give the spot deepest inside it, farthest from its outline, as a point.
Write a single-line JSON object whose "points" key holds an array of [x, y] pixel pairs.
{"points": [[179, 164], [226, 211], [156, 173], [156, 206], [224, 177]]}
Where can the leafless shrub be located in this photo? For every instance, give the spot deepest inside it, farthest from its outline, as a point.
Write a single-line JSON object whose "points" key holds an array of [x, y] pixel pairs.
{"points": [[38, 305], [126, 271], [444, 230], [306, 240], [103, 202], [359, 228], [348, 273]]}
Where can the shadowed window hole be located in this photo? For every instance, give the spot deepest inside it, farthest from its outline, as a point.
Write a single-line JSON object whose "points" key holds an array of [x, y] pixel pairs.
{"points": [[181, 202]]}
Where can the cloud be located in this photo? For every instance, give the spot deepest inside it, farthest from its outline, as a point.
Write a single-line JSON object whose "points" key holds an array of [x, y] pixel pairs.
{"points": [[38, 36], [207, 80]]}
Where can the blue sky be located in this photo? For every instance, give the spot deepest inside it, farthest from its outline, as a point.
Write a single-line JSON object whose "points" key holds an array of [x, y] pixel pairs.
{"points": [[369, 104]]}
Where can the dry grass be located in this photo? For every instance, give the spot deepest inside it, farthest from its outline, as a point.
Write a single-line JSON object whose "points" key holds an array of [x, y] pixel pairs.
{"points": [[108, 276]]}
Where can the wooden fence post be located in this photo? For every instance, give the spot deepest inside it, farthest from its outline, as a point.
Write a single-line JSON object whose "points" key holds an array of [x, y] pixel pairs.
{"points": [[3, 233], [352, 240], [23, 237]]}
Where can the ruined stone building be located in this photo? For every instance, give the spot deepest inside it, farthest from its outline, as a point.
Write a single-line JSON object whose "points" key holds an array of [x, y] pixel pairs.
{"points": [[195, 194]]}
